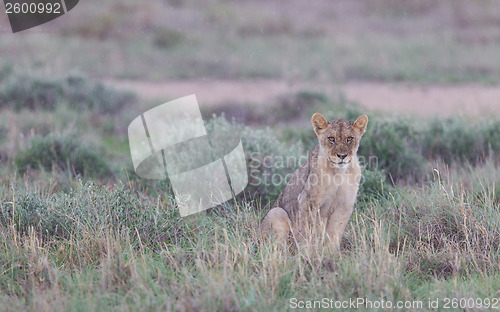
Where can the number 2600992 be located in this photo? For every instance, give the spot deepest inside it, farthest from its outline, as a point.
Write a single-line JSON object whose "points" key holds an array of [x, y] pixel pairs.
{"points": [[32, 8]]}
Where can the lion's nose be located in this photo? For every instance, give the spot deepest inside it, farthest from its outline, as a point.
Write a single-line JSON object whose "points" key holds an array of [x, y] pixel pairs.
{"points": [[342, 156]]}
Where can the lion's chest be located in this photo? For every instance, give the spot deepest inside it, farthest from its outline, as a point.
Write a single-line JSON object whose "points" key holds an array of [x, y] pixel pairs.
{"points": [[330, 201], [334, 191]]}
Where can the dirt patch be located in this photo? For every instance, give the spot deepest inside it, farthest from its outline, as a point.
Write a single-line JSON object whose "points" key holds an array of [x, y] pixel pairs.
{"points": [[469, 100]]}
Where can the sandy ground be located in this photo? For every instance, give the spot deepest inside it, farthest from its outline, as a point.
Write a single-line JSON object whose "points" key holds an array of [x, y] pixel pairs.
{"points": [[469, 100]]}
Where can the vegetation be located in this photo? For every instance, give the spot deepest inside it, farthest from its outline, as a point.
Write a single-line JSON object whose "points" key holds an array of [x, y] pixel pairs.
{"points": [[79, 93], [98, 247], [118, 242], [62, 153]]}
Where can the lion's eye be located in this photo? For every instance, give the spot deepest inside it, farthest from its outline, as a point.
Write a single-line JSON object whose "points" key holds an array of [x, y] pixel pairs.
{"points": [[331, 139], [349, 140]]}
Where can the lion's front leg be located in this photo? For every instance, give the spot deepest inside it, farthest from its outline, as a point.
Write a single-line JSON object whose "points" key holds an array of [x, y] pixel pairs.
{"points": [[338, 220], [309, 223]]}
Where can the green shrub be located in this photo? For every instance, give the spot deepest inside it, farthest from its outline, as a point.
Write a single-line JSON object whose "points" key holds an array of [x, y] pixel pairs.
{"points": [[89, 208], [394, 143], [269, 161], [456, 139], [37, 93], [167, 38], [5, 71], [403, 149], [81, 94], [292, 107], [29, 92], [306, 136], [373, 185], [31, 210], [4, 132], [490, 131], [452, 140], [63, 153]]}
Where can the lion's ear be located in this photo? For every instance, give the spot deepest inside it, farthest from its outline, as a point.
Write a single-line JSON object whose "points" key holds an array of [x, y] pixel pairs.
{"points": [[319, 122], [361, 123]]}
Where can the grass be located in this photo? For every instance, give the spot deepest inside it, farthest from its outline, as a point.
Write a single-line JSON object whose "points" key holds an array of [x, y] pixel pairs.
{"points": [[102, 248]]}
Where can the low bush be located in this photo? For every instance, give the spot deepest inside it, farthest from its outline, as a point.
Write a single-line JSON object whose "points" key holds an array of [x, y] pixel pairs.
{"points": [[63, 153], [38, 93], [269, 161], [456, 139], [89, 208], [30, 93], [167, 38], [5, 71], [395, 146], [34, 211], [4, 132], [82, 94]]}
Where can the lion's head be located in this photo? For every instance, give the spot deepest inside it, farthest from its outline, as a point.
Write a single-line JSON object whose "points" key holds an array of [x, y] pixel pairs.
{"points": [[339, 139]]}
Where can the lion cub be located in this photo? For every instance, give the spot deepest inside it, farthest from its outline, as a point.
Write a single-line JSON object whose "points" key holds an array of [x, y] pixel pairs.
{"points": [[319, 197]]}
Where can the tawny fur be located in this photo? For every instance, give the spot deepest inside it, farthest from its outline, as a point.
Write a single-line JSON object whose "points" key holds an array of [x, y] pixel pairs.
{"points": [[319, 198]]}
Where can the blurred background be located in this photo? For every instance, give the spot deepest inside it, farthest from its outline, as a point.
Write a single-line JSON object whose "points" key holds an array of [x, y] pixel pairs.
{"points": [[385, 54]]}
